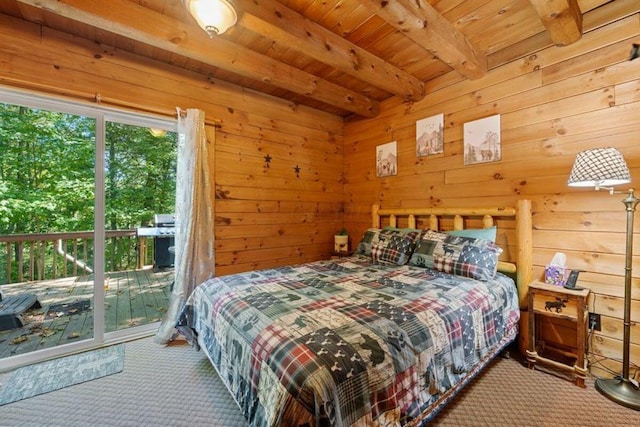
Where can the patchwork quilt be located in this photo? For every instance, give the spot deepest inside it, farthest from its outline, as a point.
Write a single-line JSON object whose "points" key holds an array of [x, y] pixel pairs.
{"points": [[348, 342]]}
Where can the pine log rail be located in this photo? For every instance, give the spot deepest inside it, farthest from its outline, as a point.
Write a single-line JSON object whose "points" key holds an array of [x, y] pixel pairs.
{"points": [[46, 256], [519, 263]]}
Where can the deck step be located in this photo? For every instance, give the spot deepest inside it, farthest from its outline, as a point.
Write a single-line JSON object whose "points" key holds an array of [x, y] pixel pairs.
{"points": [[11, 309]]}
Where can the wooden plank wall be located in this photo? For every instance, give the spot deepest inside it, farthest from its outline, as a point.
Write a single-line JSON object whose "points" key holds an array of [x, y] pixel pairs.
{"points": [[553, 103], [266, 214]]}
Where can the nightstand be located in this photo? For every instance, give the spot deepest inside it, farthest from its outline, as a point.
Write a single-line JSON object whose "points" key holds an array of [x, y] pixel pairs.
{"points": [[337, 255], [549, 304]]}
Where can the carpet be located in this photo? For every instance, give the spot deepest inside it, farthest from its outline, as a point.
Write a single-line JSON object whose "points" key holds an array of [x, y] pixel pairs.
{"points": [[176, 386], [55, 374], [67, 309]]}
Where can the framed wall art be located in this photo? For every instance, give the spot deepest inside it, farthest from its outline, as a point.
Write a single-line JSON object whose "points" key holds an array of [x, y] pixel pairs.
{"points": [[430, 136], [482, 140], [387, 159]]}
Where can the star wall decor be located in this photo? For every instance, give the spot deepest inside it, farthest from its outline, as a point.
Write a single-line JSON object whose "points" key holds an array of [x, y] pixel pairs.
{"points": [[297, 170], [267, 161]]}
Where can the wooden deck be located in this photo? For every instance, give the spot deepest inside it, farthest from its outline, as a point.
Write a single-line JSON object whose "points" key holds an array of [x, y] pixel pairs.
{"points": [[132, 298]]}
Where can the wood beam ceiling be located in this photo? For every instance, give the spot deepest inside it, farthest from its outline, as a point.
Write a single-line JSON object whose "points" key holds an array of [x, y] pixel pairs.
{"points": [[562, 19], [292, 31], [419, 21], [287, 27], [142, 24]]}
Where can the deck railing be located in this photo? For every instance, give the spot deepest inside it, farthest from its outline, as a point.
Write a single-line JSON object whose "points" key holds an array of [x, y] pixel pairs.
{"points": [[46, 256]]}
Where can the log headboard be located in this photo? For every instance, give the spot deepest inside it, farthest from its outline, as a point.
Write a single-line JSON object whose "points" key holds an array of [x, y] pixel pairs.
{"points": [[514, 232]]}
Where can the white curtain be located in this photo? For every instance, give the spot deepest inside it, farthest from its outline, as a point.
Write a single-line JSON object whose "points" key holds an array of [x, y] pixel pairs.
{"points": [[194, 241]]}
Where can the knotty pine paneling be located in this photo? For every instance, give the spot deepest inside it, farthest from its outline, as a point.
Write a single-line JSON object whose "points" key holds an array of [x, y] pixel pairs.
{"points": [[266, 215], [553, 104]]}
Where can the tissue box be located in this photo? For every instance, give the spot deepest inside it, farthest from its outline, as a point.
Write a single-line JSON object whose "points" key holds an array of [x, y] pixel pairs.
{"points": [[556, 275]]}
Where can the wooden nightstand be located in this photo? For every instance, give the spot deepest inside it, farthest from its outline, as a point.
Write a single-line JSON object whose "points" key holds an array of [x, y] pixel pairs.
{"points": [[336, 255], [549, 303]]}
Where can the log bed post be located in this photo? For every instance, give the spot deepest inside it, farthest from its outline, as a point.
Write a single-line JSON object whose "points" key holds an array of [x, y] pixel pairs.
{"points": [[524, 232], [375, 218], [522, 263]]}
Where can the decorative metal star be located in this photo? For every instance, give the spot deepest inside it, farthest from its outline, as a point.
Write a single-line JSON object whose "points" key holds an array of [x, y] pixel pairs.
{"points": [[635, 51], [297, 170], [267, 160]]}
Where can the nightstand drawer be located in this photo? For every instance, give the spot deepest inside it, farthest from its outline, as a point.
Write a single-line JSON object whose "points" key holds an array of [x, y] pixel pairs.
{"points": [[555, 304]]}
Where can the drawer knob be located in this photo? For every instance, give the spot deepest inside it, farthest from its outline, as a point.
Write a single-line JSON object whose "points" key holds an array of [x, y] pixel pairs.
{"points": [[558, 304]]}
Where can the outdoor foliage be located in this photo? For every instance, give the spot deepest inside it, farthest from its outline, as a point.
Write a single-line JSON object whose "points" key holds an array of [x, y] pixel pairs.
{"points": [[47, 167], [47, 181]]}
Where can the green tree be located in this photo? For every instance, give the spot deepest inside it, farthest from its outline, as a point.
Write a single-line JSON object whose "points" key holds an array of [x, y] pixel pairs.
{"points": [[140, 175], [47, 174], [47, 168], [46, 171]]}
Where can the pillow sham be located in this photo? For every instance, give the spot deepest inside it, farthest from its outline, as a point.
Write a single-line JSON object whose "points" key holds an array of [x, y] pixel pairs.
{"points": [[459, 255], [394, 247], [368, 238], [488, 233]]}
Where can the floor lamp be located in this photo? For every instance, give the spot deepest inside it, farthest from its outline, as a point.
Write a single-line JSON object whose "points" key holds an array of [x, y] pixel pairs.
{"points": [[604, 168]]}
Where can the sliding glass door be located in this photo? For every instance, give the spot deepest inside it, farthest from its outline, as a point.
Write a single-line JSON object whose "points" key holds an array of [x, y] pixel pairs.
{"points": [[77, 185]]}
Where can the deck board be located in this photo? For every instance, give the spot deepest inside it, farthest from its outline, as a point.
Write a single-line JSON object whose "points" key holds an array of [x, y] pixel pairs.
{"points": [[132, 298]]}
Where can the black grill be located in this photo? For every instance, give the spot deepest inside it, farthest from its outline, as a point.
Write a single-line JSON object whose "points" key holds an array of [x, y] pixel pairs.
{"points": [[163, 242], [163, 233]]}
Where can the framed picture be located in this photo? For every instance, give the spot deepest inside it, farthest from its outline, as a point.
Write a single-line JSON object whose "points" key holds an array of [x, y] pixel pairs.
{"points": [[430, 136], [387, 159], [482, 141]]}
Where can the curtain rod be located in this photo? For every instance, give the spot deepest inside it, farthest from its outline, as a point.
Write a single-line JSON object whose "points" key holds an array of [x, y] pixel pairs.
{"points": [[99, 99], [95, 97]]}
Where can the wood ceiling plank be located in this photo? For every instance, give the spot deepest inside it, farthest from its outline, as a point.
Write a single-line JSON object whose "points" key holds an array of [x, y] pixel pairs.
{"points": [[287, 27], [426, 27], [513, 27], [468, 11], [444, 6], [138, 23], [588, 5], [608, 13], [365, 28], [496, 15], [348, 22]]}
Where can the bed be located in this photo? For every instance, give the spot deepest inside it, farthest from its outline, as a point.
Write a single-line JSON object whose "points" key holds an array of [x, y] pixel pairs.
{"points": [[384, 337]]}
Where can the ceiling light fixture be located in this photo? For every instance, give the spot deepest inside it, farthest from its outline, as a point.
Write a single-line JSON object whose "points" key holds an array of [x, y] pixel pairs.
{"points": [[213, 16]]}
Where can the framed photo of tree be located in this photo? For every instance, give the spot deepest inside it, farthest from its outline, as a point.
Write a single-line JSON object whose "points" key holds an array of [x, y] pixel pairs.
{"points": [[482, 140], [387, 159], [430, 136]]}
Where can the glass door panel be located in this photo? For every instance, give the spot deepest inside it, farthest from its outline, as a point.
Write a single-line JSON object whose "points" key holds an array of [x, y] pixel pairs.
{"points": [[47, 166], [139, 177]]}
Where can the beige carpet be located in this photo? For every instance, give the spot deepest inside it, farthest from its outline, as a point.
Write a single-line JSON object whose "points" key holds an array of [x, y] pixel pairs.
{"points": [[176, 386]]}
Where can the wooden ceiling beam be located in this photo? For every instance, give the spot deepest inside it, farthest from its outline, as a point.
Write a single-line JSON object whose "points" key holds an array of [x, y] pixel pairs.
{"points": [[561, 18], [136, 22], [419, 21], [291, 29]]}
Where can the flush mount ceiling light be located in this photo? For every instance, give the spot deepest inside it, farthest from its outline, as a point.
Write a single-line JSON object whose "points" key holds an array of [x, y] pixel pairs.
{"points": [[213, 16]]}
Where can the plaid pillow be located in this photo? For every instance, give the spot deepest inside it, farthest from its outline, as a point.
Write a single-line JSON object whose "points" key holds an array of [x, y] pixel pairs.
{"points": [[368, 238], [394, 247], [459, 255]]}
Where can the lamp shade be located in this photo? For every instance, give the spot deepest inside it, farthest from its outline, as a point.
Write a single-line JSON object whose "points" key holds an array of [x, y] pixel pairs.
{"points": [[600, 167], [213, 16]]}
